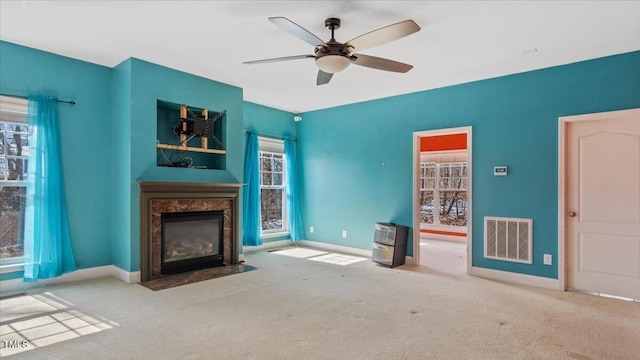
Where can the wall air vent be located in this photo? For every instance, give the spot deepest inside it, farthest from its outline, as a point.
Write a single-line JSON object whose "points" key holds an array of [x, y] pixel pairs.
{"points": [[508, 239]]}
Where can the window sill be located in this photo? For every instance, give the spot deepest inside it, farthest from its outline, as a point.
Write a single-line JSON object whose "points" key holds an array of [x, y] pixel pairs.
{"points": [[442, 227], [275, 235], [11, 268]]}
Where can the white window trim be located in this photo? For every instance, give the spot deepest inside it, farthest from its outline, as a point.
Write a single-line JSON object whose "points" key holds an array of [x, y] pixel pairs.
{"points": [[436, 190], [269, 144], [13, 110], [274, 234], [11, 268], [276, 146]]}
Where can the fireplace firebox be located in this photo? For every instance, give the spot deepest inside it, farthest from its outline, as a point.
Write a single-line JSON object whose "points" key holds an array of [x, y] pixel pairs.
{"points": [[191, 240]]}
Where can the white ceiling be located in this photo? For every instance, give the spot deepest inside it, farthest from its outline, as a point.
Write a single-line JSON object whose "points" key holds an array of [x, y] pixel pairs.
{"points": [[460, 41]]}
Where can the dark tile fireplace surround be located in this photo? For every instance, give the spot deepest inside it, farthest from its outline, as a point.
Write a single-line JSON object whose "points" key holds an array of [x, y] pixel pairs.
{"points": [[157, 198]]}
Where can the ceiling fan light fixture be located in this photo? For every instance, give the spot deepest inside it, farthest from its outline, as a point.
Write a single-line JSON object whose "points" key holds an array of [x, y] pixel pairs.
{"points": [[332, 63]]}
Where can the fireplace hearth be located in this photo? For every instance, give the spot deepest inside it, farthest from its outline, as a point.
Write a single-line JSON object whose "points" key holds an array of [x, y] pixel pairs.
{"points": [[167, 207]]}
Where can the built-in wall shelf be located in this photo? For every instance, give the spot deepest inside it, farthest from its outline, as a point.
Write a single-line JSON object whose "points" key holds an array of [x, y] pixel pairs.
{"points": [[193, 149], [190, 137]]}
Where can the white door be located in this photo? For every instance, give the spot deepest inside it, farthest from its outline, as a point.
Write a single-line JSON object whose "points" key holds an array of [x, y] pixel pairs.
{"points": [[603, 203]]}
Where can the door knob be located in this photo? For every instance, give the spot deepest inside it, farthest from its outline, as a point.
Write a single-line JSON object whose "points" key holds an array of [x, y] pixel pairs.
{"points": [[572, 213]]}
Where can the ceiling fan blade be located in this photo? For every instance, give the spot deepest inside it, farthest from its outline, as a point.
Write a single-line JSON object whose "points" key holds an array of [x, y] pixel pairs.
{"points": [[323, 77], [381, 63], [384, 35], [285, 58], [297, 30]]}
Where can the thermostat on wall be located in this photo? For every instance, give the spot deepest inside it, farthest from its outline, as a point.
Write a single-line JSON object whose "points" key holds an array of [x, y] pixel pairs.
{"points": [[500, 171]]}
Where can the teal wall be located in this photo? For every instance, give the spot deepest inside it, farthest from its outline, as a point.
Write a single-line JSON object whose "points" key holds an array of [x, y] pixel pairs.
{"points": [[271, 122], [109, 141], [85, 131], [268, 121], [357, 159], [121, 162]]}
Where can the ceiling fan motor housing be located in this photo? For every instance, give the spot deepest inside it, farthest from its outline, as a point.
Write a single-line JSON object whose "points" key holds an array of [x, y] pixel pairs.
{"points": [[334, 57]]}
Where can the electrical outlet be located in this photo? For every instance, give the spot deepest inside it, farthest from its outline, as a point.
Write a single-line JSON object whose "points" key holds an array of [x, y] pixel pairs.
{"points": [[548, 259], [344, 233], [311, 229]]}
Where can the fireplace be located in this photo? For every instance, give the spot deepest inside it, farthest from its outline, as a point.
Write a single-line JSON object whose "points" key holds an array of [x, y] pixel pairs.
{"points": [[207, 204], [191, 240]]}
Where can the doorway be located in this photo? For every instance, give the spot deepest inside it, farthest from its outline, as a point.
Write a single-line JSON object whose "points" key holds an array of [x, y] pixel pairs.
{"points": [[599, 215], [442, 199]]}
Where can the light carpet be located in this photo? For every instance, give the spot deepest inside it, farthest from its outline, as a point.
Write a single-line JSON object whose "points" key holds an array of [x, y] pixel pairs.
{"points": [[295, 308]]}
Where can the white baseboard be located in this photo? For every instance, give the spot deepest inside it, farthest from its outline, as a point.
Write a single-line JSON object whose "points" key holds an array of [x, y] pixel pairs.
{"points": [[126, 276], [267, 246], [516, 278], [410, 260], [17, 285], [338, 248]]}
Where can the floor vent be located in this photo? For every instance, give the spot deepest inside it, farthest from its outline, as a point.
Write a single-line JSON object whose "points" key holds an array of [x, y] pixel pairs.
{"points": [[508, 239]]}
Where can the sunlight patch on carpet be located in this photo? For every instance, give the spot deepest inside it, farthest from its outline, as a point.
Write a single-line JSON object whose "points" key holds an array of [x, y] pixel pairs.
{"points": [[299, 252], [320, 256], [32, 321], [338, 259]]}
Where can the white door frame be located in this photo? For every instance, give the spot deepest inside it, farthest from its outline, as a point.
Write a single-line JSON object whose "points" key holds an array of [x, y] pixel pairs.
{"points": [[416, 188], [562, 130]]}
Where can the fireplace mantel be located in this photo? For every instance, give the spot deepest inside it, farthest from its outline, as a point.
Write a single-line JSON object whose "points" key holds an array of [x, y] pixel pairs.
{"points": [[203, 194], [190, 187]]}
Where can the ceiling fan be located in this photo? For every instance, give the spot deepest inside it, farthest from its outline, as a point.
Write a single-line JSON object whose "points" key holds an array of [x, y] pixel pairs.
{"points": [[332, 56]]}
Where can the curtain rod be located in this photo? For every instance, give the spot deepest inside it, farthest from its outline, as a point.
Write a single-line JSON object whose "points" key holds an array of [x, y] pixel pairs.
{"points": [[70, 102], [271, 136]]}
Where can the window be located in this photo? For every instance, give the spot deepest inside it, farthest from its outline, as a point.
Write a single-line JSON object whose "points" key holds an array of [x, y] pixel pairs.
{"points": [[273, 208], [427, 189], [443, 187], [14, 157]]}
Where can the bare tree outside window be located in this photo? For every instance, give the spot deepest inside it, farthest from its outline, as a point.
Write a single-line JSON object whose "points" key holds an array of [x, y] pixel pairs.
{"points": [[272, 190], [453, 194], [14, 154], [443, 188], [427, 191]]}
